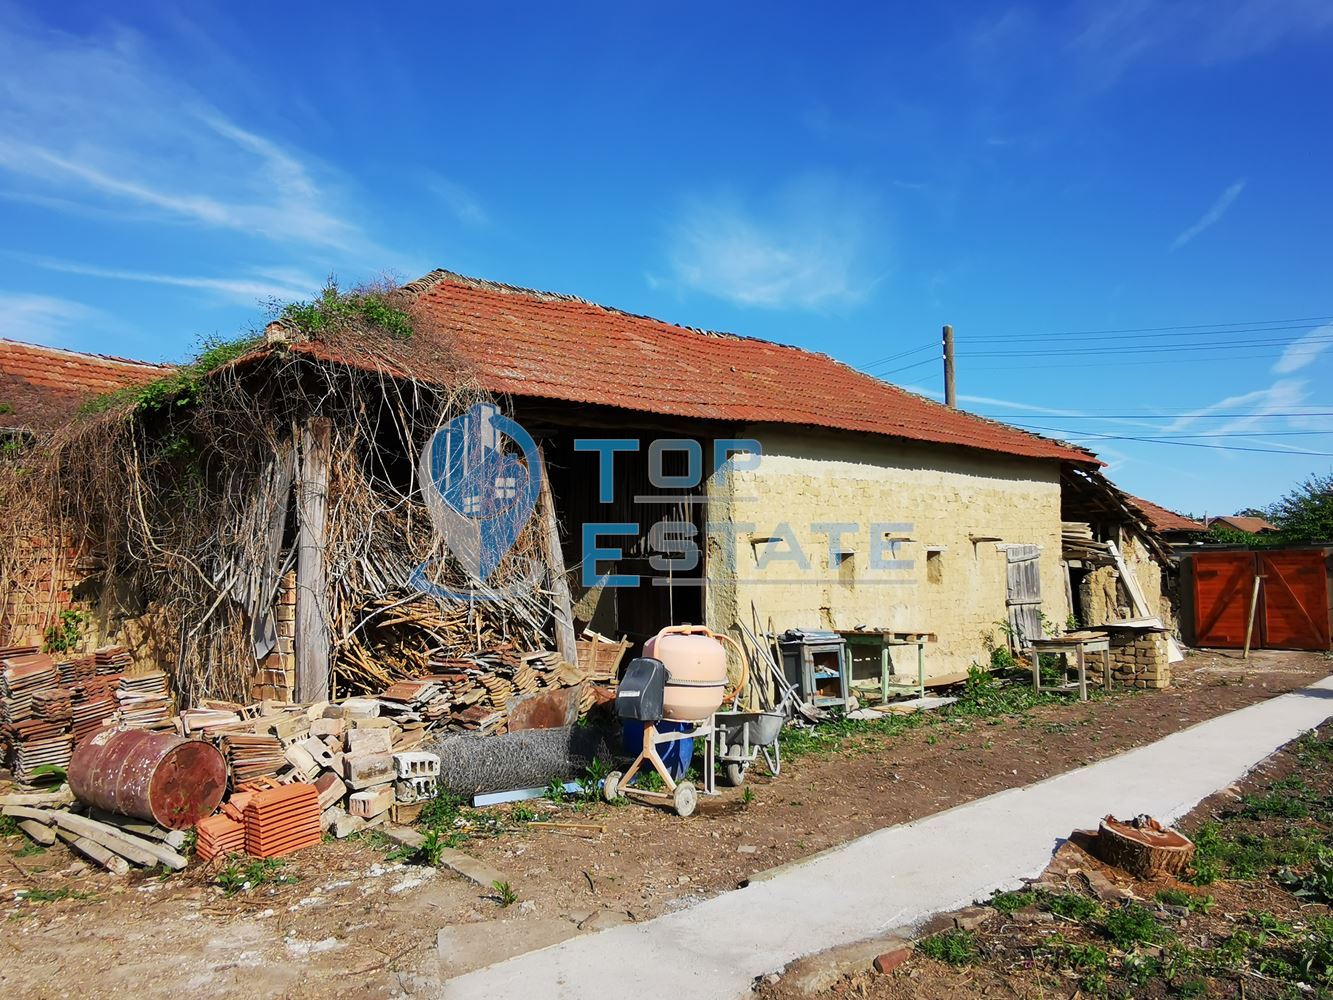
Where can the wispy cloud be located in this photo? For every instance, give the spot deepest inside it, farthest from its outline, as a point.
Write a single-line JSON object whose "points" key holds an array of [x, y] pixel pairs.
{"points": [[1212, 216], [1305, 350], [281, 284], [462, 203], [42, 319], [808, 249], [96, 125]]}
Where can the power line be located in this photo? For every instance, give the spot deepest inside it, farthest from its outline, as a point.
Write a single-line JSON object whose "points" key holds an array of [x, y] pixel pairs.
{"points": [[1172, 416], [1176, 437], [1205, 327], [1137, 362], [1085, 435], [901, 354]]}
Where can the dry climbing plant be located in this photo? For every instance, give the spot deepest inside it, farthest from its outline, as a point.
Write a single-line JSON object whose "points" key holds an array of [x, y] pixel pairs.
{"points": [[184, 490]]}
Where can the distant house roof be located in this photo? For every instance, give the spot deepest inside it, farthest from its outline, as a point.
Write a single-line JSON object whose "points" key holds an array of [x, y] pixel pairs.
{"points": [[1164, 520], [1250, 525], [43, 387], [527, 343]]}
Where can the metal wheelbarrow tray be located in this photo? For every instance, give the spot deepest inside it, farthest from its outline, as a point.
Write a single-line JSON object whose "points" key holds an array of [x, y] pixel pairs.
{"points": [[742, 736]]}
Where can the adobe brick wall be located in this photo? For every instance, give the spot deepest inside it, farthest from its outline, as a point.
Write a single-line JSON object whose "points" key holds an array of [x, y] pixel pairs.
{"points": [[948, 496], [1140, 661], [43, 577]]}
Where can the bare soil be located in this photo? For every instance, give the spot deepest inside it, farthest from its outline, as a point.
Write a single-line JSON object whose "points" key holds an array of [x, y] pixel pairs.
{"points": [[351, 922]]}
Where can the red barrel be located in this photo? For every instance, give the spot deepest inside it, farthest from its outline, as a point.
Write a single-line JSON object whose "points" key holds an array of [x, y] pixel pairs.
{"points": [[161, 777]]}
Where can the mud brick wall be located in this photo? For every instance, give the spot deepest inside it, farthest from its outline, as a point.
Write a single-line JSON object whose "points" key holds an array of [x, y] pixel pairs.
{"points": [[43, 579], [276, 677], [923, 532], [1140, 661]]}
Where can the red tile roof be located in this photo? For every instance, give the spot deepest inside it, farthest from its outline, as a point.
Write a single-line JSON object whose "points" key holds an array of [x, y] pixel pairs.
{"points": [[42, 387], [527, 343], [1164, 520], [1252, 525]]}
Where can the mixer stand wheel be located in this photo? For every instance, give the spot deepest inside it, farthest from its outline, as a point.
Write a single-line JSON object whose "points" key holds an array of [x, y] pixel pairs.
{"points": [[685, 799], [611, 787], [736, 774]]}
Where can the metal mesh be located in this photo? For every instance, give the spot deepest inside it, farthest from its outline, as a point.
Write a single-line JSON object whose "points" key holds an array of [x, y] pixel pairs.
{"points": [[473, 765]]}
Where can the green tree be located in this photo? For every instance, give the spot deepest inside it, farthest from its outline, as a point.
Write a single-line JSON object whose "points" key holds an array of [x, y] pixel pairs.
{"points": [[1305, 514]]}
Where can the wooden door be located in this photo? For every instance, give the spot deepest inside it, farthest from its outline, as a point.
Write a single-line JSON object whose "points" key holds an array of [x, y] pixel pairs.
{"points": [[1023, 594], [1295, 600], [1222, 587]]}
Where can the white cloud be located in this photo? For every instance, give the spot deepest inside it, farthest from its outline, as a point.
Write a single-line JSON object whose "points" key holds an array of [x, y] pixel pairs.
{"points": [[465, 206], [1210, 217], [1305, 350], [98, 126], [807, 250], [280, 284], [41, 319]]}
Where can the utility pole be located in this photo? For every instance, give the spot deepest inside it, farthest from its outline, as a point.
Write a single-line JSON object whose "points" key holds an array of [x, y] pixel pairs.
{"points": [[950, 394]]}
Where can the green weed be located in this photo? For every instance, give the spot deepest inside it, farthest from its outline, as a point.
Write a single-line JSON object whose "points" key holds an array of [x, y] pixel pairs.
{"points": [[242, 874], [1011, 902], [1071, 905], [51, 895], [954, 947], [1131, 924], [504, 894]]}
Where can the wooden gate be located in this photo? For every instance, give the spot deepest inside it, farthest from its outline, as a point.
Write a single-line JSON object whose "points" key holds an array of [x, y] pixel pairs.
{"points": [[1293, 599], [1023, 594]]}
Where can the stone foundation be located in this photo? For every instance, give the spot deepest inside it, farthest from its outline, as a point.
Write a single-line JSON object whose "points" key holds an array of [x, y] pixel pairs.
{"points": [[1140, 661]]}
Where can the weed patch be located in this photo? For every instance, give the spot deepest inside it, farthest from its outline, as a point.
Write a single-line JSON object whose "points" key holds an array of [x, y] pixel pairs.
{"points": [[955, 947]]}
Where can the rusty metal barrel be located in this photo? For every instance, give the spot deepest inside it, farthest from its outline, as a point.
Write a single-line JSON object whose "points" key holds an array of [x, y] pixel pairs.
{"points": [[159, 777]]}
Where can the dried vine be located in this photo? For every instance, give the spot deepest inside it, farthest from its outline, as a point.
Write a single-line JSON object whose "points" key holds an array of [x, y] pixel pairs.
{"points": [[184, 491]]}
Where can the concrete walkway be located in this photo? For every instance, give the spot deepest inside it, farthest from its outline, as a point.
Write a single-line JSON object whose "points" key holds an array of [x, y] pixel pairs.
{"points": [[897, 876]]}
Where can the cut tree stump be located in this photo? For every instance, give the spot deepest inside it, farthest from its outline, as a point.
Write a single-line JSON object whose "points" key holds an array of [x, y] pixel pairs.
{"points": [[1143, 847]]}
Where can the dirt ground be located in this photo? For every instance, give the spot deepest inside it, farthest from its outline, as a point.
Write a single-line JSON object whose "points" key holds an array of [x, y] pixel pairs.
{"points": [[351, 922]]}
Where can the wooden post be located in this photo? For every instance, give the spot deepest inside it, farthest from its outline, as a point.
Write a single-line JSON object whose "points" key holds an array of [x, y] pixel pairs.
{"points": [[1249, 624], [950, 393], [312, 576], [565, 642]]}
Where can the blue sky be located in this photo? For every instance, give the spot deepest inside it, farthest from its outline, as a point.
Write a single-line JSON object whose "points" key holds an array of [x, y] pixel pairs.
{"points": [[844, 184]]}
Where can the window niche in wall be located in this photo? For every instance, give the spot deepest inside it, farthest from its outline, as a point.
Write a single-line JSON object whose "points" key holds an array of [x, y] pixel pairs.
{"points": [[935, 563]]}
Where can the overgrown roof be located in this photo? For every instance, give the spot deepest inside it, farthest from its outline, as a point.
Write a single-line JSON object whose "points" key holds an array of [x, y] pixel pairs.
{"points": [[42, 388], [526, 343]]}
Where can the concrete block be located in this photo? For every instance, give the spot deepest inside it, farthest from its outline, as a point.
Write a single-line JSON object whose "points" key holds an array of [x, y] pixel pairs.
{"points": [[416, 764], [300, 759], [332, 789], [360, 708], [362, 770], [325, 726], [361, 741], [419, 789], [330, 816], [317, 749], [371, 802], [345, 826]]}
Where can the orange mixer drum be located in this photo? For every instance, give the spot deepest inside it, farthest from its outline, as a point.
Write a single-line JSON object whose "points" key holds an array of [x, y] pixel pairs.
{"points": [[696, 665]]}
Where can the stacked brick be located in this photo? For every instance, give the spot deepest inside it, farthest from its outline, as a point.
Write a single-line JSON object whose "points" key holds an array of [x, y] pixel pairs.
{"points": [[1140, 660], [276, 677]]}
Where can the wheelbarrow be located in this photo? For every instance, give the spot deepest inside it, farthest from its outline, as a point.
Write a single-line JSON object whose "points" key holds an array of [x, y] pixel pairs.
{"points": [[740, 737]]}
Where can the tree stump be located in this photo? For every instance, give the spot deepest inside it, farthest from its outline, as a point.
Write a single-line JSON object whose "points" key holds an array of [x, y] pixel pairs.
{"points": [[1143, 847]]}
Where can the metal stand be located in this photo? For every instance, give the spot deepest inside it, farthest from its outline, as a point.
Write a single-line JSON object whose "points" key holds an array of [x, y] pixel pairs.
{"points": [[681, 795]]}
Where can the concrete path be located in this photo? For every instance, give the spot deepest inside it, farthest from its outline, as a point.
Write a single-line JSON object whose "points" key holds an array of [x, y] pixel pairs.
{"points": [[897, 876]]}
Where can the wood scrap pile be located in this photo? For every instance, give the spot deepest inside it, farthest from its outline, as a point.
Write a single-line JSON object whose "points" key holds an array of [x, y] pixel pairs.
{"points": [[1078, 542], [114, 842]]}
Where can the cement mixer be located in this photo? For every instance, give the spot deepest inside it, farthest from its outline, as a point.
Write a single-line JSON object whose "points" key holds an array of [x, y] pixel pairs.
{"points": [[681, 678]]}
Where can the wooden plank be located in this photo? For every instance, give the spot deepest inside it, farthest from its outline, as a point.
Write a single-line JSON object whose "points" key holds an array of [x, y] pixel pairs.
{"points": [[566, 643], [1141, 608], [312, 618], [1295, 600]]}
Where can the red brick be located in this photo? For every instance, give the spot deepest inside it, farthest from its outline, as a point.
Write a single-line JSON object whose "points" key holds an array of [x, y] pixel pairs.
{"points": [[890, 960]]}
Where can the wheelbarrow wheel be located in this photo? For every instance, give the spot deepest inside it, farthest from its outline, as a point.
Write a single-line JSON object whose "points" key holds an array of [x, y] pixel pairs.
{"points": [[685, 799], [611, 787], [736, 771]]}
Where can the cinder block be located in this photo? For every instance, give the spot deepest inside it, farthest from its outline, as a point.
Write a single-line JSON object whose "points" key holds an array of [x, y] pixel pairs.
{"points": [[418, 789], [327, 727], [362, 770], [300, 759], [361, 708], [369, 741], [319, 752], [416, 764], [371, 802]]}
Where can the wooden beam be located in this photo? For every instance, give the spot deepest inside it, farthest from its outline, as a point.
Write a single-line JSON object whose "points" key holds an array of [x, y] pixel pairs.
{"points": [[566, 643], [312, 613]]}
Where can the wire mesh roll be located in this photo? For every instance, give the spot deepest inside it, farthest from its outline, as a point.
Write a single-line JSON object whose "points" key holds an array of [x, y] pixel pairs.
{"points": [[477, 765]]}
